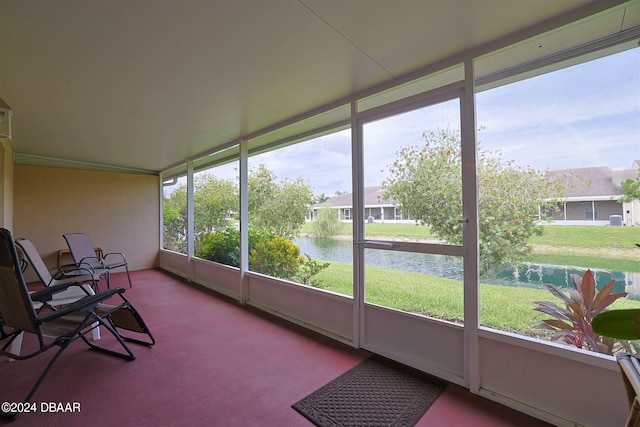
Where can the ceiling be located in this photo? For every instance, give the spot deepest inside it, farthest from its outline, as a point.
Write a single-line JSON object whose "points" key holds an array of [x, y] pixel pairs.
{"points": [[143, 85]]}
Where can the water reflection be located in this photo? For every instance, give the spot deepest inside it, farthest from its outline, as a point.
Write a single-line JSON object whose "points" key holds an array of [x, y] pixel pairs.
{"points": [[528, 275]]}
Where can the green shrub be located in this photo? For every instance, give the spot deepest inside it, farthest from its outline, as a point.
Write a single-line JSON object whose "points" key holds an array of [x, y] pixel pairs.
{"points": [[220, 246], [268, 254], [277, 257], [308, 270], [223, 245], [327, 223], [258, 235]]}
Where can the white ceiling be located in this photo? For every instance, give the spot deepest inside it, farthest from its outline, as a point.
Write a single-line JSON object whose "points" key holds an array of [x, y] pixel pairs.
{"points": [[146, 84]]}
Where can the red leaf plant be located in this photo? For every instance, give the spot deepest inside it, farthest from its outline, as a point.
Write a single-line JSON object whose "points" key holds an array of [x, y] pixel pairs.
{"points": [[572, 322]]}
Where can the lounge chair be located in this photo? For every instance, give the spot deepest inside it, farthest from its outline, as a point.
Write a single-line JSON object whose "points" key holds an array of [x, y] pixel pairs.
{"points": [[57, 328], [85, 283], [84, 277]]}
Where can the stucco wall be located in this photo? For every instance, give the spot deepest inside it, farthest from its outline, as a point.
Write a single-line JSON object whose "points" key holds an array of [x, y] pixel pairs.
{"points": [[118, 211]]}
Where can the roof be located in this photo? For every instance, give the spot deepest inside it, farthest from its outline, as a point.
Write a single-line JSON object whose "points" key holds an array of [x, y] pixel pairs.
{"points": [[144, 85], [594, 181], [599, 181], [372, 197]]}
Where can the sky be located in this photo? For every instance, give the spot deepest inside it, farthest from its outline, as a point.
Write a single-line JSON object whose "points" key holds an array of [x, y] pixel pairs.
{"points": [[585, 115]]}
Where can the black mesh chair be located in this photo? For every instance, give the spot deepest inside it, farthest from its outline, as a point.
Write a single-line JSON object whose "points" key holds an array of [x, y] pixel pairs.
{"points": [[58, 327]]}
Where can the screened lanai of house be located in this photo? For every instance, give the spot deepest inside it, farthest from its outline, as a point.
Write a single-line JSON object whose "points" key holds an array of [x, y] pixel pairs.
{"points": [[137, 100]]}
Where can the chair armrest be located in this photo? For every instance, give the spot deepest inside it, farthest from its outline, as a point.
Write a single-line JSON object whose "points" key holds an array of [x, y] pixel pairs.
{"points": [[80, 272], [85, 304], [117, 254], [46, 294], [97, 258], [74, 280], [67, 268]]}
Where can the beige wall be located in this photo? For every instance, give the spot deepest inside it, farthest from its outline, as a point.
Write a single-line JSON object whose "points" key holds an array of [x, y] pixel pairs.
{"points": [[6, 184], [120, 212]]}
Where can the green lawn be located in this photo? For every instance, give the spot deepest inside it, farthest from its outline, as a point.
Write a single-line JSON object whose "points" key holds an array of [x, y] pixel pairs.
{"points": [[608, 248], [501, 307], [589, 237]]}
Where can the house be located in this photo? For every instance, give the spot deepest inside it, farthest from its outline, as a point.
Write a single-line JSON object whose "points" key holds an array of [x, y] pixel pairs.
{"points": [[591, 197], [104, 101], [375, 206]]}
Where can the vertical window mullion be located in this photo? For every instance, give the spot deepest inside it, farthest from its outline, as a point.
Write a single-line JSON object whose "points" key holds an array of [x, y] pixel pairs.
{"points": [[358, 228], [244, 220], [470, 230], [190, 220]]}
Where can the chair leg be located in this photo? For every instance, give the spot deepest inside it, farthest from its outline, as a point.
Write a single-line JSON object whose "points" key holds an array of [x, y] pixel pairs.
{"points": [[46, 370], [126, 267], [129, 354], [16, 345], [148, 343], [63, 345], [96, 331], [634, 414]]}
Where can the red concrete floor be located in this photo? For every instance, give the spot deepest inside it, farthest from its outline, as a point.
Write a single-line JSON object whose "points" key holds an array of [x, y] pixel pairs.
{"points": [[216, 363]]}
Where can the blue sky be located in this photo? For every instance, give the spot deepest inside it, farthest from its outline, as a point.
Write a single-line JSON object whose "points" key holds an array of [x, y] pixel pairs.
{"points": [[586, 115]]}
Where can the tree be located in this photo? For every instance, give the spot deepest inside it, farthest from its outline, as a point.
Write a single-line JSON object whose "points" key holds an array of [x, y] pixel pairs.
{"points": [[213, 200], [174, 217], [631, 188], [321, 198], [426, 182], [327, 223], [282, 206]]}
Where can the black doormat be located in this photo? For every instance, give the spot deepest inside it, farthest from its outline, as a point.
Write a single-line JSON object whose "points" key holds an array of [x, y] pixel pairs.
{"points": [[377, 392]]}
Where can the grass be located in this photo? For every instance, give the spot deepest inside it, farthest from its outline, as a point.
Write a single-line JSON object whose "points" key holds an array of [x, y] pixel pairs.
{"points": [[588, 237], [501, 307], [608, 248]]}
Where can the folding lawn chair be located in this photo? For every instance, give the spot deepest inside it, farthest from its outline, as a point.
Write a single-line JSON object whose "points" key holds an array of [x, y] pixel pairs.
{"points": [[61, 327]]}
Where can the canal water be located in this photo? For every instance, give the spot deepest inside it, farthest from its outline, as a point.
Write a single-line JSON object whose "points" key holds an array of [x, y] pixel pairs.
{"points": [[528, 274]]}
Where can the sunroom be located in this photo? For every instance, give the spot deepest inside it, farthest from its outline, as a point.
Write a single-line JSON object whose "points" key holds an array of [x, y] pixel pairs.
{"points": [[148, 124]]}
